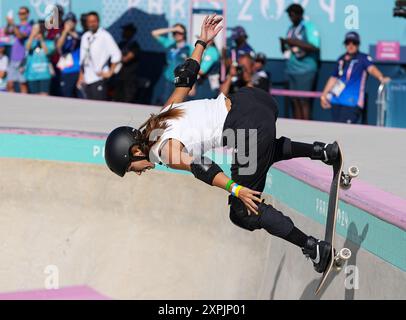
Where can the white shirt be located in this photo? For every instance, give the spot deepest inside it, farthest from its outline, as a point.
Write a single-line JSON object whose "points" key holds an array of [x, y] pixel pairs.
{"points": [[95, 51], [3, 67], [200, 129], [3, 63]]}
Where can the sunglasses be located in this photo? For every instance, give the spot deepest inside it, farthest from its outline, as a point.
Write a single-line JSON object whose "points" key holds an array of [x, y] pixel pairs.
{"points": [[178, 33], [22, 13]]}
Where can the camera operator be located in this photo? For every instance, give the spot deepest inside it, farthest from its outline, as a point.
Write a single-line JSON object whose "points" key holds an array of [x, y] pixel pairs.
{"points": [[243, 74], [261, 78]]}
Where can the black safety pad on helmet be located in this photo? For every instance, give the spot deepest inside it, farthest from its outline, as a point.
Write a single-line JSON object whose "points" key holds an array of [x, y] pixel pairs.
{"points": [[186, 74]]}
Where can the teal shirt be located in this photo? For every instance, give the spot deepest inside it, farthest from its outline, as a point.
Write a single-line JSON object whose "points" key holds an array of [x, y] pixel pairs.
{"points": [[210, 57], [301, 62], [174, 56], [37, 67]]}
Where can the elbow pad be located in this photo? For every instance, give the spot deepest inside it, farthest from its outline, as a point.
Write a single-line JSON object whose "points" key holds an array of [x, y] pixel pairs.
{"points": [[206, 170], [186, 74]]}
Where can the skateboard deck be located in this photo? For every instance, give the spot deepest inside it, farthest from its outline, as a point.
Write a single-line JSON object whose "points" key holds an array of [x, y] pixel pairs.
{"points": [[344, 181]]}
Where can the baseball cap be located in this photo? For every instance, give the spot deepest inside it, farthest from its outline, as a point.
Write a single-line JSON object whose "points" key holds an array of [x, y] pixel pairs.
{"points": [[238, 32], [352, 36]]}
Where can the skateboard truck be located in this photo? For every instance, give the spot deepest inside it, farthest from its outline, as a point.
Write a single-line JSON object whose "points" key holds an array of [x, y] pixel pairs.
{"points": [[346, 178], [341, 258]]}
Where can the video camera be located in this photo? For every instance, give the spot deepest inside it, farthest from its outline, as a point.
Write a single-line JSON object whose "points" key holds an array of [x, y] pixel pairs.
{"points": [[400, 9]]}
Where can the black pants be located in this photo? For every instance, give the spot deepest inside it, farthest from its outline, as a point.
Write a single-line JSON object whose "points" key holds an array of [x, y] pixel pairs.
{"points": [[255, 109], [96, 91], [68, 84], [345, 114]]}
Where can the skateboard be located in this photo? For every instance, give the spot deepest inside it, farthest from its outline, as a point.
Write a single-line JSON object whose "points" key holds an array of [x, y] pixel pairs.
{"points": [[340, 180]]}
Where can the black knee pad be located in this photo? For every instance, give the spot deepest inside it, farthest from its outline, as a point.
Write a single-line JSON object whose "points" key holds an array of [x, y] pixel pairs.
{"points": [[274, 221], [240, 217], [286, 144]]}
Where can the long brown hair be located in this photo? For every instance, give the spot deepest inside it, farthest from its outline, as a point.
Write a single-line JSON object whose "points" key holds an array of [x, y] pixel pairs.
{"points": [[157, 123]]}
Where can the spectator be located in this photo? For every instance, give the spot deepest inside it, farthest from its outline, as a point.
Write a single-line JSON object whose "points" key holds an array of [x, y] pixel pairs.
{"points": [[261, 78], [3, 67], [38, 69], [53, 34], [242, 75], [99, 57], [177, 51], [301, 48], [68, 47], [208, 84], [126, 86], [242, 48], [345, 90], [20, 33]]}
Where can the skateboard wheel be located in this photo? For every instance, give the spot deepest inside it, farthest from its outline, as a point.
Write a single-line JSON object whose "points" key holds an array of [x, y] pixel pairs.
{"points": [[344, 254], [341, 258], [353, 171]]}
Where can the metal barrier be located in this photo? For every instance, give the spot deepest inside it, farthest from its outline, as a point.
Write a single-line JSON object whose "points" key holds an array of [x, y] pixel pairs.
{"points": [[381, 104]]}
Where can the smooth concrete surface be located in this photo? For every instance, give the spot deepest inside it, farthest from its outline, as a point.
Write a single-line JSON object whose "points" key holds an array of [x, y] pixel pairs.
{"points": [[378, 152], [114, 236]]}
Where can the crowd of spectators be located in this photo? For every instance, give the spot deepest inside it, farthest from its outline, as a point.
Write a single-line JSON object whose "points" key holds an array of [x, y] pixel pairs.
{"points": [[85, 61]]}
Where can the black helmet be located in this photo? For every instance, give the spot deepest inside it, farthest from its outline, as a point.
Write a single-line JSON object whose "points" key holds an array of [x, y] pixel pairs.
{"points": [[118, 153]]}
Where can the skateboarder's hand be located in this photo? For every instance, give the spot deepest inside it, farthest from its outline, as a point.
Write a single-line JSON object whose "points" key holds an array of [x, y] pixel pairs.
{"points": [[249, 197], [211, 27]]}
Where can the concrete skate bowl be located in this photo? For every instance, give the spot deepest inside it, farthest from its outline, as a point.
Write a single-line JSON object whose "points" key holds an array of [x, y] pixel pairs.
{"points": [[164, 235]]}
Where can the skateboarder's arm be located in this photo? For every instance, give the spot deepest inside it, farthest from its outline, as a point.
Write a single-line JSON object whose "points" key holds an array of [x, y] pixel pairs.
{"points": [[173, 154], [210, 29]]}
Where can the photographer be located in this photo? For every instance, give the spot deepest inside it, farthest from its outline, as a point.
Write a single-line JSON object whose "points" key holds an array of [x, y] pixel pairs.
{"points": [[244, 75], [261, 77]]}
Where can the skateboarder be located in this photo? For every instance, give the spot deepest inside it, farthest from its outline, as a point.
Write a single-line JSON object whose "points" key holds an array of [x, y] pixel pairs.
{"points": [[182, 132]]}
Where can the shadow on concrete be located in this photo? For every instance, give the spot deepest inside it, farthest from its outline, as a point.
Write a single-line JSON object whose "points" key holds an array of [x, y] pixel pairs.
{"points": [[353, 242], [277, 276]]}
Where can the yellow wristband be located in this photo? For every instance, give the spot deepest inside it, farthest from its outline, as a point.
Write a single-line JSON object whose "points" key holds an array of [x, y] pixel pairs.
{"points": [[237, 191]]}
